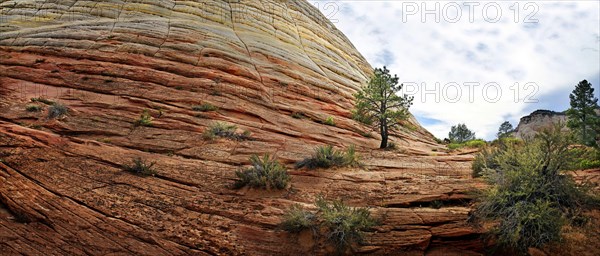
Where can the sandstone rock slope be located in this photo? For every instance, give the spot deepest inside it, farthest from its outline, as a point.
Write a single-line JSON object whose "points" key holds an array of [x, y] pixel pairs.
{"points": [[276, 69]]}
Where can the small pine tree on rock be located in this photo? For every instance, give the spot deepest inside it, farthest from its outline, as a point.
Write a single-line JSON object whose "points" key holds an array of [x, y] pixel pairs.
{"points": [[380, 105]]}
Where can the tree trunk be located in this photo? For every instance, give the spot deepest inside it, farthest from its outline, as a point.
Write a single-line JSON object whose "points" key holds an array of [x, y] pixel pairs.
{"points": [[584, 133], [384, 134]]}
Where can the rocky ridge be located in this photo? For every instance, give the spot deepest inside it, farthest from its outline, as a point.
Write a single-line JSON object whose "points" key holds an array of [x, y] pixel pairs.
{"points": [[277, 69], [536, 121]]}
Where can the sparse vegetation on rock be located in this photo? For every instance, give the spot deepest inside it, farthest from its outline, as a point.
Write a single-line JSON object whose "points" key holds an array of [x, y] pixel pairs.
{"points": [[266, 172], [145, 119], [206, 107], [296, 219], [33, 108], [327, 157], [343, 226], [141, 167], [329, 121], [223, 130], [57, 110]]}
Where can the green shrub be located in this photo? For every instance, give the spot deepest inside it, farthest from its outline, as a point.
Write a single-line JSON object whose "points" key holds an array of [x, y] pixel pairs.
{"points": [[57, 110], [453, 146], [145, 119], [508, 141], [206, 107], [343, 225], [218, 129], [475, 144], [583, 157], [141, 167], [33, 108], [265, 173], [589, 164], [467, 144], [296, 219], [485, 160], [529, 199], [329, 121], [327, 157]]}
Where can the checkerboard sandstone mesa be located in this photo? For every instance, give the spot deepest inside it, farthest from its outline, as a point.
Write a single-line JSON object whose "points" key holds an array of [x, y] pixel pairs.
{"points": [[129, 77]]}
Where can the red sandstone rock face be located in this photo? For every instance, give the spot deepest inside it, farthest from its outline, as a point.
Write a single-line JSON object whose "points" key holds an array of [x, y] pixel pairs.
{"points": [[62, 186]]}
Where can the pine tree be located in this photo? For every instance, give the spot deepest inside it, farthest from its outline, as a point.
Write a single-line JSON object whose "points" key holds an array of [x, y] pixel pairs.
{"points": [[460, 133], [379, 103], [505, 130], [583, 119]]}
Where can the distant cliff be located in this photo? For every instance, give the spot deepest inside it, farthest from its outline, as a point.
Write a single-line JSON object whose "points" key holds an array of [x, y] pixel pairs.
{"points": [[538, 120]]}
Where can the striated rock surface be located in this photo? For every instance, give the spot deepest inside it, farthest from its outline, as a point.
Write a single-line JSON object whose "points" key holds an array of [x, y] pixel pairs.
{"points": [[277, 69]]}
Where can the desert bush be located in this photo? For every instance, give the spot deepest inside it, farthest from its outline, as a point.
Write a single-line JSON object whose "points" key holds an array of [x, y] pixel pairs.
{"points": [[141, 167], [296, 219], [343, 225], [57, 110], [485, 160], [329, 121], [33, 108], [453, 146], [529, 198], [266, 172], [475, 143], [206, 107], [145, 119], [218, 129], [327, 157], [583, 157]]}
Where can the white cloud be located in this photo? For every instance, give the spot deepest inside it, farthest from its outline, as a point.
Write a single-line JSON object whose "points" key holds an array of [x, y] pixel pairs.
{"points": [[555, 52]]}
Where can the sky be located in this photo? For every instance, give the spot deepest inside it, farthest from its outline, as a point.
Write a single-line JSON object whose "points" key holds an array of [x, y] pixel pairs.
{"points": [[480, 62]]}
